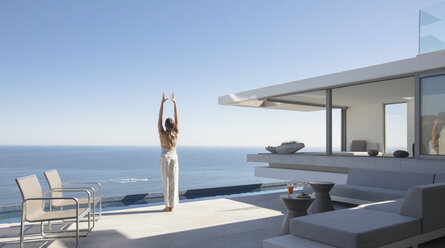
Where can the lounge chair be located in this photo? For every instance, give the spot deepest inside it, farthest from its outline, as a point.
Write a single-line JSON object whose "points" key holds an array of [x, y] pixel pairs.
{"points": [[33, 209], [416, 219], [54, 182]]}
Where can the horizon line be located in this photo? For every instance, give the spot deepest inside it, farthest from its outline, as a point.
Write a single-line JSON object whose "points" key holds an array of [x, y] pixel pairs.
{"points": [[24, 145]]}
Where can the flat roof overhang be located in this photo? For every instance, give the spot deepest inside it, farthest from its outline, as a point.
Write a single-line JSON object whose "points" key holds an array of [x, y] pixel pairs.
{"points": [[264, 97]]}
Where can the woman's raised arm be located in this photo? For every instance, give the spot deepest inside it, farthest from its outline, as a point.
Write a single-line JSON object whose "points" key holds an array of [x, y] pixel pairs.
{"points": [[176, 127], [161, 111]]}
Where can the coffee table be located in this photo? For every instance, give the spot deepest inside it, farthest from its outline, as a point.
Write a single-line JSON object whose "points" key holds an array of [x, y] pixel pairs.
{"points": [[295, 207], [323, 202]]}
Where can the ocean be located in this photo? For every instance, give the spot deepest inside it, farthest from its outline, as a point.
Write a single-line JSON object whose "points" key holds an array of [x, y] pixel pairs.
{"points": [[125, 170]]}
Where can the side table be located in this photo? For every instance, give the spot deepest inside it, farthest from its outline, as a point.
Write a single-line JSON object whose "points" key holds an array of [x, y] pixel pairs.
{"points": [[295, 207], [323, 202]]}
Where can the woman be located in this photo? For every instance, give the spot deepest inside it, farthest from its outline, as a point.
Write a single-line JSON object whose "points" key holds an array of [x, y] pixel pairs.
{"points": [[169, 158], [434, 144]]}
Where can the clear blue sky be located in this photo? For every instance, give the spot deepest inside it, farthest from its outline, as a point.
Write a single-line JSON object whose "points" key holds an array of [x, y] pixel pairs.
{"points": [[92, 72]]}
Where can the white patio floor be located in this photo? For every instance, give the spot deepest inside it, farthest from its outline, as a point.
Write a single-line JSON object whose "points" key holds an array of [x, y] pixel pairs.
{"points": [[225, 222]]}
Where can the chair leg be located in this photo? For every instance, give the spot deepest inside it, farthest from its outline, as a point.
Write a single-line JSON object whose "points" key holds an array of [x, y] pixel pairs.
{"points": [[49, 222], [42, 228], [77, 228], [22, 229], [94, 217], [63, 233], [97, 213], [100, 207], [89, 221]]}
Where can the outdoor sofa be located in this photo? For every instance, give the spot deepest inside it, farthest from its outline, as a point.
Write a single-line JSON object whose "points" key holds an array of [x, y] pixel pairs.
{"points": [[367, 185], [405, 223]]}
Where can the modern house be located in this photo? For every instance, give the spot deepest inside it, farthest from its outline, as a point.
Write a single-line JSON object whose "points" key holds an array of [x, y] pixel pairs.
{"points": [[366, 100]]}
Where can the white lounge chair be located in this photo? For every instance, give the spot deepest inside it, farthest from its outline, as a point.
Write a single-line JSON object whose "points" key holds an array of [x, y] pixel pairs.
{"points": [[33, 209], [54, 182]]}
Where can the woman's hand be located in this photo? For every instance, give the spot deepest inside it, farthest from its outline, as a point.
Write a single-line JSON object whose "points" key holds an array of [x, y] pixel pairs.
{"points": [[173, 97], [164, 99]]}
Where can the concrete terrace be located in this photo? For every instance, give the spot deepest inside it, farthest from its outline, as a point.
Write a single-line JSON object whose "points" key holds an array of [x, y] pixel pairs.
{"points": [[224, 222]]}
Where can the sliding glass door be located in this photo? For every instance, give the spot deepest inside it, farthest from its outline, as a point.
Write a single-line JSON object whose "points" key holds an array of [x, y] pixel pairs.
{"points": [[432, 115]]}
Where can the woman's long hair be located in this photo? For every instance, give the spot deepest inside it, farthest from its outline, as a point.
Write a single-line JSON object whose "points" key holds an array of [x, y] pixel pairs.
{"points": [[171, 135]]}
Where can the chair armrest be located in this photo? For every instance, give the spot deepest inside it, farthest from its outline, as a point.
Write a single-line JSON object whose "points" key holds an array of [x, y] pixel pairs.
{"points": [[87, 188], [52, 198], [95, 183], [98, 183], [69, 190], [82, 187], [43, 199]]}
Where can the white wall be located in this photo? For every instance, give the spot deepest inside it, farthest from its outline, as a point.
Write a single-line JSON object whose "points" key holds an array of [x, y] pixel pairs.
{"points": [[365, 122]]}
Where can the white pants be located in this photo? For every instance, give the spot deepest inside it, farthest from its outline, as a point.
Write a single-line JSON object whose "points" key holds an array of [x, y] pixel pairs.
{"points": [[169, 172]]}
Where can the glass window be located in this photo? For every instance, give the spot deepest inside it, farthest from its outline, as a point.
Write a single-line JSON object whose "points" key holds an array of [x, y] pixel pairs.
{"points": [[395, 127], [336, 130], [365, 118], [432, 28], [432, 115]]}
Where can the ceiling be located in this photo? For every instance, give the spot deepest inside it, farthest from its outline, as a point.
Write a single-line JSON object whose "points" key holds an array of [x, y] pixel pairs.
{"points": [[388, 91]]}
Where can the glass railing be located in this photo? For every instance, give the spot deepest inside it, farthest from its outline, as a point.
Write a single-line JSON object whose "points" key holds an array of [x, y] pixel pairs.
{"points": [[432, 28]]}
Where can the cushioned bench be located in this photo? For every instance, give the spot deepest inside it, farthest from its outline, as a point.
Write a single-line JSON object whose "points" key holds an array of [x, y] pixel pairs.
{"points": [[414, 220], [366, 185], [356, 228], [439, 178]]}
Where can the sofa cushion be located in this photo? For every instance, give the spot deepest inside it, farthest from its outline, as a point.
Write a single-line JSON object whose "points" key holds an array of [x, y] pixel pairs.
{"points": [[355, 228], [397, 180], [439, 178], [366, 193], [358, 146], [426, 202], [392, 206]]}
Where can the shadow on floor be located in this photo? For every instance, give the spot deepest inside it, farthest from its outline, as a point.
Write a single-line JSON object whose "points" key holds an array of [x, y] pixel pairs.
{"points": [[10, 236], [32, 236], [133, 212], [270, 201], [240, 234]]}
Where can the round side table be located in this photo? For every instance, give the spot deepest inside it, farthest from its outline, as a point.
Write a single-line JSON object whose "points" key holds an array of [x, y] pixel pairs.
{"points": [[295, 207], [323, 202]]}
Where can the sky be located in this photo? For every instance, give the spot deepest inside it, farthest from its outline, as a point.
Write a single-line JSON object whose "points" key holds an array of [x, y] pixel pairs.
{"points": [[93, 72]]}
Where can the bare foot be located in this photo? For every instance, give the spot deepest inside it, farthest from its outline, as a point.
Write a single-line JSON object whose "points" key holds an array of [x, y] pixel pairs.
{"points": [[171, 210], [166, 209]]}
